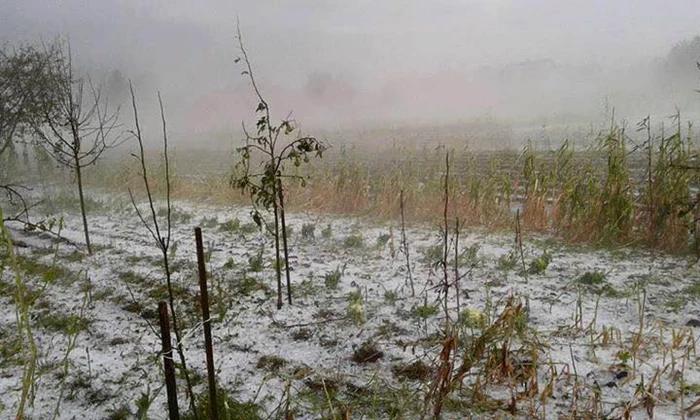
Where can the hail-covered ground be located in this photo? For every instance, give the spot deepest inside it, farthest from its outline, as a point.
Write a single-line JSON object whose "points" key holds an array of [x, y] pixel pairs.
{"points": [[601, 333]]}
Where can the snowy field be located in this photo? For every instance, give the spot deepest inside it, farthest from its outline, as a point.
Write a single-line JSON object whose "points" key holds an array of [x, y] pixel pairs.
{"points": [[596, 333]]}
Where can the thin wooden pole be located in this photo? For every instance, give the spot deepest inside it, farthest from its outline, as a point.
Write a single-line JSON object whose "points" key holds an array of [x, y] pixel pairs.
{"points": [[206, 322], [168, 363]]}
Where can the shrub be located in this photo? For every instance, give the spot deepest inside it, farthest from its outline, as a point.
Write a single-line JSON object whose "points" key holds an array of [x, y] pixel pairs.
{"points": [[308, 231], [327, 232], [256, 261], [353, 241], [591, 278], [356, 308], [425, 311], [540, 264], [383, 239], [508, 262], [332, 278]]}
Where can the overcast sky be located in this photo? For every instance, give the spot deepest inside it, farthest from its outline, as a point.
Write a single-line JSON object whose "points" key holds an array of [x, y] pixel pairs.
{"points": [[367, 51]]}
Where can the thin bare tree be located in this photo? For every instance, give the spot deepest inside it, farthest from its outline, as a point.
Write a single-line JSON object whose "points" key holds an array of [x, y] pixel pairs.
{"points": [[161, 231], [80, 128]]}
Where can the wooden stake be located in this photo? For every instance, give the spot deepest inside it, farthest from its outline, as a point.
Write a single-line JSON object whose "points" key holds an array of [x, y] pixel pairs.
{"points": [[168, 363], [206, 322]]}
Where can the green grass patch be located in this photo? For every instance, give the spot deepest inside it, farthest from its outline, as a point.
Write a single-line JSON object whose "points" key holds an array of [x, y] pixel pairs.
{"points": [[539, 265], [354, 241], [67, 324], [332, 278], [228, 408]]}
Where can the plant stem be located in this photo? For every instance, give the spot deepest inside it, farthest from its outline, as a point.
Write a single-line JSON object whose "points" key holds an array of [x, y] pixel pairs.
{"points": [[404, 245], [79, 177], [280, 192]]}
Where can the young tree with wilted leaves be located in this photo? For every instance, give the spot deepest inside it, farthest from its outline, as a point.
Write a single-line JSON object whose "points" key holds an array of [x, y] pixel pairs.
{"points": [[270, 148]]}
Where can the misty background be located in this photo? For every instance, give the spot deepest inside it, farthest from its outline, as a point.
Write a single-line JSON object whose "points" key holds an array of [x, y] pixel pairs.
{"points": [[373, 67]]}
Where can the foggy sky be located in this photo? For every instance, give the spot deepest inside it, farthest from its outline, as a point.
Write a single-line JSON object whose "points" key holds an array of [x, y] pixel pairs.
{"points": [[366, 62]]}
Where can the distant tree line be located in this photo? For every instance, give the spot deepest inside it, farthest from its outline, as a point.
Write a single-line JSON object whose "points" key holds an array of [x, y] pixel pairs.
{"points": [[683, 60]]}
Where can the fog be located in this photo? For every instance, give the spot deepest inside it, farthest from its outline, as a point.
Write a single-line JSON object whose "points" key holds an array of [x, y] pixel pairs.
{"points": [[341, 65]]}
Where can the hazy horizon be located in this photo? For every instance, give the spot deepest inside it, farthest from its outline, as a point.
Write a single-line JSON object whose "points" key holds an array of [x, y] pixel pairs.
{"points": [[342, 65]]}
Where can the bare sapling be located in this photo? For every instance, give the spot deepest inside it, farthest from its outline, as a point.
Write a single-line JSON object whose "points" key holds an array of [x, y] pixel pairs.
{"points": [[161, 237], [79, 127], [445, 243], [404, 245]]}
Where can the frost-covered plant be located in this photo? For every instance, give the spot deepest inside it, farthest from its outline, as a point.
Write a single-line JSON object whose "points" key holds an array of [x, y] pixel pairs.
{"points": [[327, 232], [425, 311], [383, 239], [227, 408], [470, 256], [332, 278], [220, 300], [508, 261], [75, 327], [255, 262], [432, 254], [474, 319], [24, 327], [591, 278], [356, 308], [308, 231], [354, 241], [209, 222], [390, 297], [173, 250], [24, 299], [231, 225], [540, 264]]}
